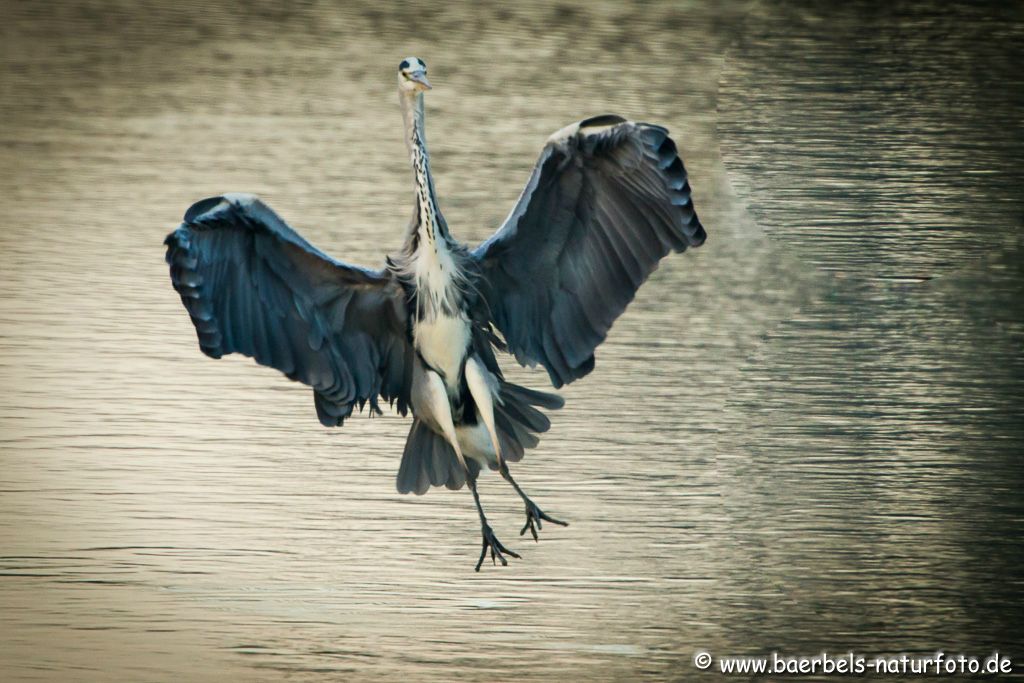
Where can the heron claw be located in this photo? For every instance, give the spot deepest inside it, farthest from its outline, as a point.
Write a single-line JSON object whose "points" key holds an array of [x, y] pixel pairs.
{"points": [[498, 551], [534, 518]]}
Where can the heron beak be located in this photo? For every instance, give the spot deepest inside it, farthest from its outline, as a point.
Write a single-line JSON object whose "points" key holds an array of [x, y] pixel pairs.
{"points": [[420, 78]]}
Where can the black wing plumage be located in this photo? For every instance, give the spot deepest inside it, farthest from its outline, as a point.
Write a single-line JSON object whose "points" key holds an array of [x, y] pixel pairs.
{"points": [[608, 199], [252, 285]]}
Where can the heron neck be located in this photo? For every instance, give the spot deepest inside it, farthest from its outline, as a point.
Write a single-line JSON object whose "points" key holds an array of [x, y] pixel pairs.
{"points": [[430, 226]]}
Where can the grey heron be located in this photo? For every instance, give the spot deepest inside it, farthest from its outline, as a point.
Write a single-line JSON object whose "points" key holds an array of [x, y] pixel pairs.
{"points": [[607, 200]]}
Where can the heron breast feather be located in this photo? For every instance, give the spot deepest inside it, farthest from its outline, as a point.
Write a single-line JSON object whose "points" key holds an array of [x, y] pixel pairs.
{"points": [[443, 342]]}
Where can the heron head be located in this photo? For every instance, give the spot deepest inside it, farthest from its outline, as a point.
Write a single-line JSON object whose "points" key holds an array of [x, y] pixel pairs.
{"points": [[412, 75]]}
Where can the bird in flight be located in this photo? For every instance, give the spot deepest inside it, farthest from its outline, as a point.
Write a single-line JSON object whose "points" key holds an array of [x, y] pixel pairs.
{"points": [[607, 200]]}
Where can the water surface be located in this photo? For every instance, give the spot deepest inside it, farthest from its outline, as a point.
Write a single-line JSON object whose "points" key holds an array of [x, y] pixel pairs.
{"points": [[804, 435]]}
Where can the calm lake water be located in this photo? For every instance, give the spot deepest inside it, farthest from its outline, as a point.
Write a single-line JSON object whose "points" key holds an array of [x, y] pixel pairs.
{"points": [[806, 435]]}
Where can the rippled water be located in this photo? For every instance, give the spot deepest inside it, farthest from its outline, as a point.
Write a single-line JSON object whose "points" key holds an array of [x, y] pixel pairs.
{"points": [[805, 435]]}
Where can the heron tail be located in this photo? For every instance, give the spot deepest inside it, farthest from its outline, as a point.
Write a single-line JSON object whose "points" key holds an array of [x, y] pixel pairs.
{"points": [[518, 419], [429, 460]]}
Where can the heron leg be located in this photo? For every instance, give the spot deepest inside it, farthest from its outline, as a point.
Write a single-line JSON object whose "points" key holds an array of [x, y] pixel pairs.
{"points": [[480, 390], [498, 551], [441, 409], [534, 515]]}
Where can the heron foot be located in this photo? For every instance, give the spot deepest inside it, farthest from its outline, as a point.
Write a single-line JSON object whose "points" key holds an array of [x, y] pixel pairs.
{"points": [[498, 551], [534, 517]]}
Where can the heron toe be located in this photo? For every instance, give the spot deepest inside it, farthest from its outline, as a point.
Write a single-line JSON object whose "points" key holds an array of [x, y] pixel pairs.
{"points": [[498, 551], [534, 518]]}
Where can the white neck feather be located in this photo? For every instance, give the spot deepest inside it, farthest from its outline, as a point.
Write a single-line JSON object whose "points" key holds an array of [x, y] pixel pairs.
{"points": [[433, 266]]}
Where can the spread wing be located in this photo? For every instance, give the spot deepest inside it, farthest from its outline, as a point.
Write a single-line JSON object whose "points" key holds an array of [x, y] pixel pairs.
{"points": [[608, 199], [253, 286]]}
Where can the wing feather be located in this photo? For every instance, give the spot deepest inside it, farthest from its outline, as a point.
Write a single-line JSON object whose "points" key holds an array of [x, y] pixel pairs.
{"points": [[253, 286], [607, 200]]}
